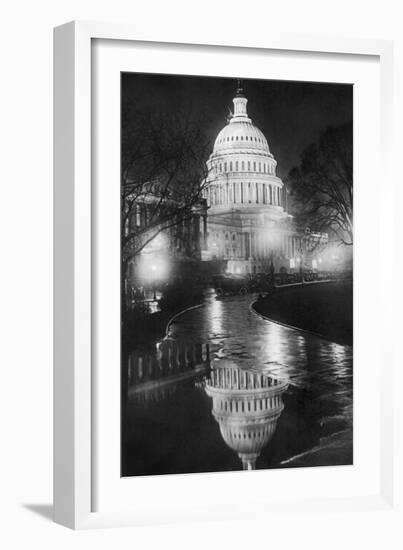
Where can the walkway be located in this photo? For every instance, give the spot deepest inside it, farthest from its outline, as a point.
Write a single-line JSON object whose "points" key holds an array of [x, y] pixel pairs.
{"points": [[320, 371], [239, 334]]}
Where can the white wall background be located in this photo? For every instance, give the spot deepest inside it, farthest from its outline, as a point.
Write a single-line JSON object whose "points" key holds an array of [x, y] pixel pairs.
{"points": [[26, 266]]}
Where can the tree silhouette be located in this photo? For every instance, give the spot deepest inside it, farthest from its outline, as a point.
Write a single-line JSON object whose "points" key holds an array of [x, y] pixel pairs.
{"points": [[163, 166], [321, 187]]}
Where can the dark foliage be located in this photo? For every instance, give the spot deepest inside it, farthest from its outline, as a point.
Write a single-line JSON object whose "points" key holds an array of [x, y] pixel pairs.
{"points": [[163, 168], [321, 187]]}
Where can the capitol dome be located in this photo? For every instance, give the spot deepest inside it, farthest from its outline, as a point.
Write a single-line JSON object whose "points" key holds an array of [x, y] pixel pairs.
{"points": [[246, 201], [241, 168], [241, 135]]}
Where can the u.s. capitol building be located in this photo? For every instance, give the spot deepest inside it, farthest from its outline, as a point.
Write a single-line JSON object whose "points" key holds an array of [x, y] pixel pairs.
{"points": [[247, 221]]}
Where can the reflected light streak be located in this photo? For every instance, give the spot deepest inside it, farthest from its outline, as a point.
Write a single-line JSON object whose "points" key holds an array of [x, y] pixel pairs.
{"points": [[216, 317]]}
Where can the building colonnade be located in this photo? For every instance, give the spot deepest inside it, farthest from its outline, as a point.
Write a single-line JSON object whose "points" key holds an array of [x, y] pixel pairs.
{"points": [[228, 193]]}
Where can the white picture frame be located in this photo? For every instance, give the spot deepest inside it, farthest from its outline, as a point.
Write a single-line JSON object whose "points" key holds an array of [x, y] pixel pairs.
{"points": [[75, 392]]}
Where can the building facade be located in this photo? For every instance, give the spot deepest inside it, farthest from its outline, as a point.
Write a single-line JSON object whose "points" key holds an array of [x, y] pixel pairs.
{"points": [[247, 221]]}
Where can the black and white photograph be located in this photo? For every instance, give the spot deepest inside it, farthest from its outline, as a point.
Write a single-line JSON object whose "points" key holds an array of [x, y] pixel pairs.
{"points": [[236, 274], [201, 275]]}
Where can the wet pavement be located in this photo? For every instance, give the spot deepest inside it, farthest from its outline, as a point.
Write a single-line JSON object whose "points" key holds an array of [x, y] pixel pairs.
{"points": [[190, 427]]}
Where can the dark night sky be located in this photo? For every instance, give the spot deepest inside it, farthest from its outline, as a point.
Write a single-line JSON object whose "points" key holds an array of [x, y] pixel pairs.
{"points": [[290, 114]]}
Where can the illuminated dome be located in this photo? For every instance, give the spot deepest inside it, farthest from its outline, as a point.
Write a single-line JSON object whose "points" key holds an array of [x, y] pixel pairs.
{"points": [[247, 406], [247, 217], [241, 168], [240, 135]]}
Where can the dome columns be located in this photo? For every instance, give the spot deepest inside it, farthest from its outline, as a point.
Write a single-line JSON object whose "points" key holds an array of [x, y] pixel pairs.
{"points": [[243, 194]]}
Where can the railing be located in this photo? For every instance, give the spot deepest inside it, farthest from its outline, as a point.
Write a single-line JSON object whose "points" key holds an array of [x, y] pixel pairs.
{"points": [[172, 362]]}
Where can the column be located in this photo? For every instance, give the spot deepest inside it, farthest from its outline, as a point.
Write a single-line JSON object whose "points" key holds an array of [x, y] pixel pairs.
{"points": [[196, 244], [139, 367]]}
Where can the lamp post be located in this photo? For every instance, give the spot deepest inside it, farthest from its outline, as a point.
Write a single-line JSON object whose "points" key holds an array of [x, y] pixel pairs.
{"points": [[154, 270], [301, 268], [272, 239], [271, 269]]}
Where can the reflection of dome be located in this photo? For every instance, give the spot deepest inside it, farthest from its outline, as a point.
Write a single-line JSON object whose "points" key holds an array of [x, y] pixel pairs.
{"points": [[247, 406]]}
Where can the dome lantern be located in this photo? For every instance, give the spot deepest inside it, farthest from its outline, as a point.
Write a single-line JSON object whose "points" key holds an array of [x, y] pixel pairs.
{"points": [[240, 102]]}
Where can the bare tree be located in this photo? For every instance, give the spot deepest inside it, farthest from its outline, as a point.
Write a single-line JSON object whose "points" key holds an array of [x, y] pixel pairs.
{"points": [[321, 188], [162, 173]]}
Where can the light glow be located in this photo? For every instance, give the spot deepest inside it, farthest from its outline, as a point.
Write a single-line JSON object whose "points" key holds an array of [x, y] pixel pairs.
{"points": [[152, 268]]}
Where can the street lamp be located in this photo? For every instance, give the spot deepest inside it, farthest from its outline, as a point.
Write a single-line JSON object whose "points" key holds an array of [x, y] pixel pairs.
{"points": [[152, 267], [154, 270], [273, 241], [301, 267]]}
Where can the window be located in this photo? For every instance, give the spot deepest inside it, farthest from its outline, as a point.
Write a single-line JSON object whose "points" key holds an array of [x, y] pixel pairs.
{"points": [[243, 165], [254, 166], [260, 167], [230, 166], [225, 166], [248, 165], [236, 166]]}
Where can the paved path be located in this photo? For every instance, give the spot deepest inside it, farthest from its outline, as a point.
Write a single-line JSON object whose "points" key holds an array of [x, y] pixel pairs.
{"points": [[319, 370], [238, 333]]}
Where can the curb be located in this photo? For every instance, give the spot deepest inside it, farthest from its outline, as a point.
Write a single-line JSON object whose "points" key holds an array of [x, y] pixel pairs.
{"points": [[172, 319], [291, 327]]}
